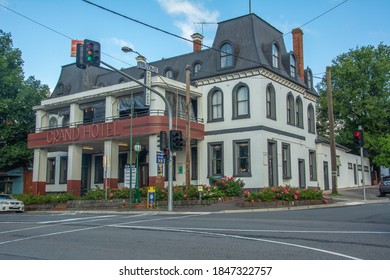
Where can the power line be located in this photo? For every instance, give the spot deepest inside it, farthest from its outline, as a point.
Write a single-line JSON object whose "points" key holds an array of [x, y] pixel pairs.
{"points": [[55, 31], [324, 13], [36, 22], [188, 40]]}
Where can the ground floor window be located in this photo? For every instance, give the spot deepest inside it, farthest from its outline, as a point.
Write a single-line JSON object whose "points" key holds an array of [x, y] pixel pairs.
{"points": [[215, 156], [312, 165], [63, 170], [51, 171], [99, 170], [286, 158], [241, 153], [121, 165]]}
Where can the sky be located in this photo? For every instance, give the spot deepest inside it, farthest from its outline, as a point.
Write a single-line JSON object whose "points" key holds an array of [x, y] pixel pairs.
{"points": [[43, 29]]}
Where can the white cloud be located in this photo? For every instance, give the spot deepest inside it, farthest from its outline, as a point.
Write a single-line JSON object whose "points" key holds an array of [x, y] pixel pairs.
{"points": [[188, 13], [119, 42]]}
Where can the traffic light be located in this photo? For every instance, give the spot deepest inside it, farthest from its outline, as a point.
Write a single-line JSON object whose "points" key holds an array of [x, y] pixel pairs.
{"points": [[358, 139], [80, 56], [176, 140], [91, 53], [163, 141]]}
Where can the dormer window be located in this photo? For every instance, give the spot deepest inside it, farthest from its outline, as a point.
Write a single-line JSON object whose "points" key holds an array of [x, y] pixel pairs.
{"points": [[197, 67], [226, 55], [275, 55], [293, 66], [309, 77], [169, 73]]}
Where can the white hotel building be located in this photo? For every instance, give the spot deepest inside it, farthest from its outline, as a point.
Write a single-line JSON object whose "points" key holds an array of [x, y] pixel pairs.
{"points": [[253, 109]]}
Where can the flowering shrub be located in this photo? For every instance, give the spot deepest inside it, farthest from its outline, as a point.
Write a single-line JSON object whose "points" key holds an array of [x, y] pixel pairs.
{"points": [[285, 193], [29, 199], [230, 186], [219, 187]]}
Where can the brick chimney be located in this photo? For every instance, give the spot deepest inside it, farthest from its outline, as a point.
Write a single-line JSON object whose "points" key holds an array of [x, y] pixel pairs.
{"points": [[298, 50], [197, 41]]}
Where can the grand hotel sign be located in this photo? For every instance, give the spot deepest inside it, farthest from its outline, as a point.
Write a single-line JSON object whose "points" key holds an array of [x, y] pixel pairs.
{"points": [[82, 133]]}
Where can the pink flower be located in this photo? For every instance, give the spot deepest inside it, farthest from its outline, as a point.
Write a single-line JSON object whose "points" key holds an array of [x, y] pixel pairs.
{"points": [[230, 178], [297, 192], [111, 195], [326, 201], [325, 194], [253, 201], [295, 197]]}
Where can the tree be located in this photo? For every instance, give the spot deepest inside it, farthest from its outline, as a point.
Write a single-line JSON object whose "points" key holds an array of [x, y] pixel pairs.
{"points": [[361, 96], [17, 97]]}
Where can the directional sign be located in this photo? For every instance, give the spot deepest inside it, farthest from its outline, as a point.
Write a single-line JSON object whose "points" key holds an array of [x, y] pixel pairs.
{"points": [[143, 65]]}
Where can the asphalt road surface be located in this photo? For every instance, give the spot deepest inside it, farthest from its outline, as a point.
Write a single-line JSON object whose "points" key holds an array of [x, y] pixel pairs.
{"points": [[334, 233]]}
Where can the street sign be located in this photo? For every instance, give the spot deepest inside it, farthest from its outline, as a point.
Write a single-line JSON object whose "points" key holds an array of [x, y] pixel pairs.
{"points": [[160, 159], [127, 176], [143, 65], [151, 197]]}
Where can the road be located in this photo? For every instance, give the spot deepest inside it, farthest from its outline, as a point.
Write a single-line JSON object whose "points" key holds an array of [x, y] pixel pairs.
{"points": [[334, 233]]}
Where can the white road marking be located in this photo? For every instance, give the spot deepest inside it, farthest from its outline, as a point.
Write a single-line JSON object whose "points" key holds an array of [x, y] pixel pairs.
{"points": [[243, 238]]}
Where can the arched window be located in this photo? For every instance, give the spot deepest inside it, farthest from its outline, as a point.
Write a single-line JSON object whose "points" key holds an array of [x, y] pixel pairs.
{"points": [[309, 79], [240, 101], [311, 119], [290, 109], [169, 73], [293, 66], [226, 55], [215, 105], [53, 122], [299, 112], [196, 68], [270, 102], [275, 55]]}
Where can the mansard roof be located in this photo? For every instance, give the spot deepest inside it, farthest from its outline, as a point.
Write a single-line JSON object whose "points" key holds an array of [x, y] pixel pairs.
{"points": [[250, 36]]}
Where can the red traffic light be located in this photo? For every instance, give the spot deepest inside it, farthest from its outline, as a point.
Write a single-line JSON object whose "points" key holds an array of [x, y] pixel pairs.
{"points": [[357, 133]]}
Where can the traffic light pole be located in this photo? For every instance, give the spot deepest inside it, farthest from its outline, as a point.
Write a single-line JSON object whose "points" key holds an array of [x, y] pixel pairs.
{"points": [[170, 169], [362, 164]]}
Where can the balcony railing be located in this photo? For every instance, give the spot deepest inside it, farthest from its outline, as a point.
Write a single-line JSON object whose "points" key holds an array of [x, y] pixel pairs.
{"points": [[123, 115]]}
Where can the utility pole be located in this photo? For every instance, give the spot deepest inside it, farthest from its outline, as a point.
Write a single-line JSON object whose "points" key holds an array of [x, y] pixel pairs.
{"points": [[188, 136], [331, 130], [362, 161]]}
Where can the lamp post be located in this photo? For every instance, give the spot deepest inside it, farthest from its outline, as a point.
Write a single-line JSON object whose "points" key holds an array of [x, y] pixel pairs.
{"points": [[137, 149], [168, 106], [127, 50]]}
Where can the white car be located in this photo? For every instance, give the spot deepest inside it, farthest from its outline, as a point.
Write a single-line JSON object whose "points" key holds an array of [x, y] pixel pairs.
{"points": [[8, 203]]}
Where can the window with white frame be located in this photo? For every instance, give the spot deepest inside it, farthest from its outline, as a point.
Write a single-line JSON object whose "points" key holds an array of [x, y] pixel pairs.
{"points": [[215, 156], [241, 153], [270, 102], [293, 67], [241, 101], [51, 171], [63, 170], [215, 105], [275, 55], [286, 160], [299, 112], [226, 55], [290, 109], [313, 165], [311, 119]]}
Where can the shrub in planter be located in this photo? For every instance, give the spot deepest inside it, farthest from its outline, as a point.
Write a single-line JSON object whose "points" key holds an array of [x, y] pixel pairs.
{"points": [[285, 193], [229, 185]]}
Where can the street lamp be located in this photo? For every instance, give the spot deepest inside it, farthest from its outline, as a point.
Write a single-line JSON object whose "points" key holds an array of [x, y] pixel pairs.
{"points": [[126, 49], [137, 149]]}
